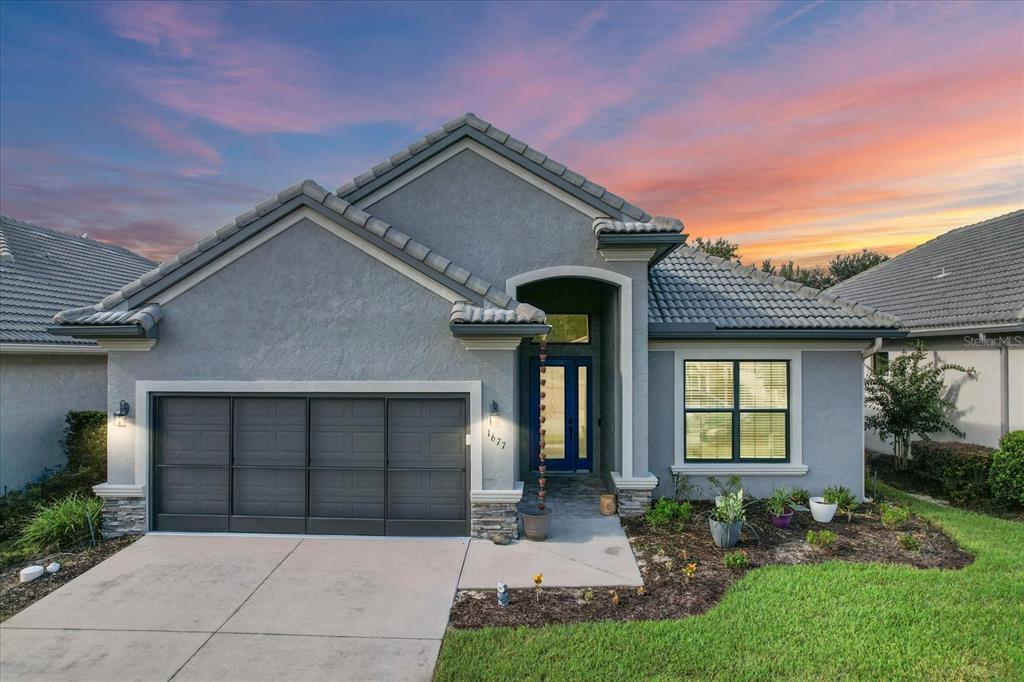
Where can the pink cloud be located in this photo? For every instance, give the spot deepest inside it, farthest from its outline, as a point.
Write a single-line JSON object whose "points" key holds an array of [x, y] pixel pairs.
{"points": [[178, 141], [167, 26]]}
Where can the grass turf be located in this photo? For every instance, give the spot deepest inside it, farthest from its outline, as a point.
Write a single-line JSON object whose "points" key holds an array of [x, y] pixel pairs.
{"points": [[825, 621]]}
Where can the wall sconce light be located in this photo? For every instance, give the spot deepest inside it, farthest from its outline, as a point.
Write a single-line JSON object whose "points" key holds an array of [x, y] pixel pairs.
{"points": [[493, 416], [122, 412]]}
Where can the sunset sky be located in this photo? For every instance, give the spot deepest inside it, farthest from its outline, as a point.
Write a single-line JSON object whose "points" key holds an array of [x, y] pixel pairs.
{"points": [[800, 129]]}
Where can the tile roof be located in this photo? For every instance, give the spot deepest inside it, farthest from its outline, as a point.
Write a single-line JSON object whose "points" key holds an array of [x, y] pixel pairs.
{"points": [[689, 287], [526, 154], [145, 317], [970, 276], [43, 271], [657, 225], [523, 313], [442, 268]]}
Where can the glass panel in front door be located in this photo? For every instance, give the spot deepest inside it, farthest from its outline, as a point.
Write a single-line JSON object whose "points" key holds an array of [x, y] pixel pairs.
{"points": [[552, 410], [581, 400]]}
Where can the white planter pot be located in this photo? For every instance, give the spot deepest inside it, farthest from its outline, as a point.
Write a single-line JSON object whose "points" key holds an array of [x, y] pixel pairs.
{"points": [[822, 512]]}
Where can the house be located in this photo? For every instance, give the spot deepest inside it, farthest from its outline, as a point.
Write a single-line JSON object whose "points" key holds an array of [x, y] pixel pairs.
{"points": [[367, 360], [44, 376], [962, 295]]}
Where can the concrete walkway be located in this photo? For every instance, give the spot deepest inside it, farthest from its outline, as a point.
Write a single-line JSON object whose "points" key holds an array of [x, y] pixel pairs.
{"points": [[243, 608], [584, 549]]}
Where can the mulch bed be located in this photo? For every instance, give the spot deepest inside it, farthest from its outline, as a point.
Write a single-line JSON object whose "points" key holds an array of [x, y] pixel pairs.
{"points": [[663, 552], [15, 595]]}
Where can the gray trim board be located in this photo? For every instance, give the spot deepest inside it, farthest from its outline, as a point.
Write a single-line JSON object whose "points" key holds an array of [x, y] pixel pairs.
{"points": [[498, 329], [100, 332]]}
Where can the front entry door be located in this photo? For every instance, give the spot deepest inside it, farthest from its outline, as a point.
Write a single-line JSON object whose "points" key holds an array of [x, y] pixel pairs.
{"points": [[560, 403]]}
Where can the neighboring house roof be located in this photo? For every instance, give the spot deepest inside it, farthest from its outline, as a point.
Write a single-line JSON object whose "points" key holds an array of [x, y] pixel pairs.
{"points": [[969, 277], [43, 271], [471, 126], [128, 301], [693, 294]]}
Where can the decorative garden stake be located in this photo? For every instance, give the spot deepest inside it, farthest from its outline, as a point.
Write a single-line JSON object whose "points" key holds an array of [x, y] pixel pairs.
{"points": [[502, 594]]}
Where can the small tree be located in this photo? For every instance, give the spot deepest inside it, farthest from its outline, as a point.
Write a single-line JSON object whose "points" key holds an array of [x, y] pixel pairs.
{"points": [[908, 399]]}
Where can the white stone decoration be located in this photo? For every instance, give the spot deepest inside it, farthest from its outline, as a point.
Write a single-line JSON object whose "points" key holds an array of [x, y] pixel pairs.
{"points": [[30, 573], [52, 567]]}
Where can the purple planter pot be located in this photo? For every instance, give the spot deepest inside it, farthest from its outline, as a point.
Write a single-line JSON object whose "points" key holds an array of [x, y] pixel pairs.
{"points": [[782, 521]]}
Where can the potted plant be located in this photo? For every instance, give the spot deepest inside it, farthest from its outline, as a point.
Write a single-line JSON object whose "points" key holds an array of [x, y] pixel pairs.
{"points": [[781, 507], [823, 507], [727, 520]]}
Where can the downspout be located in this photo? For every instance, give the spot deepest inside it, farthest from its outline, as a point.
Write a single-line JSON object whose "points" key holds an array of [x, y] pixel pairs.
{"points": [[875, 346], [1004, 389]]}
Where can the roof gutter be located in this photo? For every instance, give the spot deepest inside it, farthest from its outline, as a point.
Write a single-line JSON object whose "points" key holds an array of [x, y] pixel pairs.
{"points": [[462, 329], [872, 349], [666, 330], [87, 331]]}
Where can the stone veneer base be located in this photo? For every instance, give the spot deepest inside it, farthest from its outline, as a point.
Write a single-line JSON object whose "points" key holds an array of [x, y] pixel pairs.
{"points": [[489, 518], [633, 502], [123, 516]]}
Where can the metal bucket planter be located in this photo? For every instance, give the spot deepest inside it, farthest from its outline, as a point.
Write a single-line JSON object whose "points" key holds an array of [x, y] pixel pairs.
{"points": [[726, 535], [536, 524]]}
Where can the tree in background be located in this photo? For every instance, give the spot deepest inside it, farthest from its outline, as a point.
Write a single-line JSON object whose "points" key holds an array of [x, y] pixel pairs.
{"points": [[721, 247], [908, 400], [840, 268], [843, 267]]}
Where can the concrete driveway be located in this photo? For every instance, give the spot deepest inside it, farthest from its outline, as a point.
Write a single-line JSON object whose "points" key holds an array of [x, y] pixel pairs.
{"points": [[243, 608]]}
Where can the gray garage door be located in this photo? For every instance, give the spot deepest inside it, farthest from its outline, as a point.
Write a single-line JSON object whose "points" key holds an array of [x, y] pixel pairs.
{"points": [[377, 465]]}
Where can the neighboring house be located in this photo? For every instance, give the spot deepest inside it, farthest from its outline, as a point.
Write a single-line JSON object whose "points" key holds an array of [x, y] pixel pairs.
{"points": [[962, 294], [365, 361], [43, 376]]}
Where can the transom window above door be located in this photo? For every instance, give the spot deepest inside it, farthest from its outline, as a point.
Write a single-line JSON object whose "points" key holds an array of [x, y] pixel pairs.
{"points": [[567, 328], [736, 410]]}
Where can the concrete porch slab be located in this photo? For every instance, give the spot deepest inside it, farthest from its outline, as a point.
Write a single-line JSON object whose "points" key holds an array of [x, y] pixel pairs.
{"points": [[582, 551]]}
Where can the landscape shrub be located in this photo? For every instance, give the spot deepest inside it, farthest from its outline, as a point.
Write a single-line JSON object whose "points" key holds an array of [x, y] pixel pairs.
{"points": [[85, 441], [893, 517], [821, 539], [909, 542], [1006, 476], [64, 524], [665, 510], [959, 470], [736, 560]]}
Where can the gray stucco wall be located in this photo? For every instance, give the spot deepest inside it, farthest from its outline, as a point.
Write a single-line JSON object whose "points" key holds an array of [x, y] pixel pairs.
{"points": [[308, 306], [36, 392], [498, 225], [832, 440]]}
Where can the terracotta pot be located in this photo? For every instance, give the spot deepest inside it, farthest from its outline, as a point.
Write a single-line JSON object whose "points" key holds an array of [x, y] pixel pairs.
{"points": [[607, 504], [536, 523]]}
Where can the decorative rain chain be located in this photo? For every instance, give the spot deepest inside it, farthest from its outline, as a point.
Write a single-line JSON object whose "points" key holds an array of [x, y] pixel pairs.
{"points": [[542, 481]]}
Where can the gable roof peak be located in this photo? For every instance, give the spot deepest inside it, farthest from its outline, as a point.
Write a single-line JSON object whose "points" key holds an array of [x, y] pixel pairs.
{"points": [[517, 151]]}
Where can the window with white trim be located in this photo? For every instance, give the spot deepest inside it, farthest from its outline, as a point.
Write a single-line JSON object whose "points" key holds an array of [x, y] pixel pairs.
{"points": [[736, 410]]}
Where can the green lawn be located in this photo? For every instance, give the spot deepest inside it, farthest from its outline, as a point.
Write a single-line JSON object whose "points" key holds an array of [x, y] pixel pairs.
{"points": [[828, 621]]}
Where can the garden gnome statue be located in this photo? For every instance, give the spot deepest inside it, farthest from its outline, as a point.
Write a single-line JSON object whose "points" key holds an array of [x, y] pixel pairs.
{"points": [[502, 594]]}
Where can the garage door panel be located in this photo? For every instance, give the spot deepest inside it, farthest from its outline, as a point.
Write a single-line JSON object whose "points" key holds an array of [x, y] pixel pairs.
{"points": [[193, 490], [339, 493], [434, 495], [270, 431], [348, 432], [269, 492], [195, 431]]}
